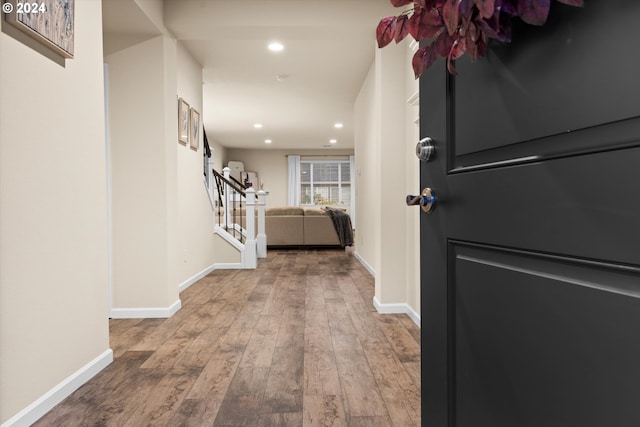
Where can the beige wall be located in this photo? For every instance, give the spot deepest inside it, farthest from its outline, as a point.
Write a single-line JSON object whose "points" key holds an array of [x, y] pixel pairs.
{"points": [[195, 217], [367, 143], [271, 166], [226, 253], [387, 170], [143, 176], [412, 183], [162, 218], [53, 205], [219, 153], [390, 85]]}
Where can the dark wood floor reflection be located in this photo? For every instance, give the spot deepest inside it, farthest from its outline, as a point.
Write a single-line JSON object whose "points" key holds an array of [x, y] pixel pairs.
{"points": [[295, 342]]}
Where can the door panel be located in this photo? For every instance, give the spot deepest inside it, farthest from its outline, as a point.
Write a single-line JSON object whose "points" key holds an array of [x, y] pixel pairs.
{"points": [[543, 366], [573, 64], [579, 206], [531, 259]]}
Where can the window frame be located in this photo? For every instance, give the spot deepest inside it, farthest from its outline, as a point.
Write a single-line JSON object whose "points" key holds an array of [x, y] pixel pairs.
{"points": [[327, 184]]}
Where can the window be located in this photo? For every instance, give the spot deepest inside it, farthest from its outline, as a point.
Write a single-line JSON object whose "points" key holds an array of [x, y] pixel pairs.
{"points": [[325, 182]]}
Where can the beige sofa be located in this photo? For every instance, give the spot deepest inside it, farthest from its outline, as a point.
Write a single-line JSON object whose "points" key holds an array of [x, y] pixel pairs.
{"points": [[296, 226]]}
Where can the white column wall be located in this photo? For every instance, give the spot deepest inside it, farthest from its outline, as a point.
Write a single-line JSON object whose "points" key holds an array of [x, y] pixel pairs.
{"points": [[391, 275], [386, 171], [143, 132], [367, 155], [195, 217], [412, 184]]}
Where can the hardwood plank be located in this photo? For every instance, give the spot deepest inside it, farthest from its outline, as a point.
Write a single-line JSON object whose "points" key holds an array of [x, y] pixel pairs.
{"points": [[283, 393], [330, 288], [164, 400], [167, 353], [405, 346], [290, 419], [291, 331], [127, 334], [321, 411], [216, 376], [396, 386], [259, 350], [340, 319], [243, 400], [361, 393], [128, 398], [346, 343], [349, 291], [413, 370], [195, 413], [370, 422], [314, 296], [411, 327], [366, 327], [321, 376], [316, 317]]}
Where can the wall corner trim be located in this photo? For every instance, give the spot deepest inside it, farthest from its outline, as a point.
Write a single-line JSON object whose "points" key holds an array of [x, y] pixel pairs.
{"points": [[401, 308], [145, 313], [365, 264], [190, 281], [46, 402]]}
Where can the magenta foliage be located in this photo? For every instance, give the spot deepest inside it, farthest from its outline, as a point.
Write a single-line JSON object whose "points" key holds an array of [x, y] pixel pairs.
{"points": [[455, 27]]}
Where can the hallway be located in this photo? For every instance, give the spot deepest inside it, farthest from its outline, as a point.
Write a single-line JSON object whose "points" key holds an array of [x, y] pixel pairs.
{"points": [[295, 342]]}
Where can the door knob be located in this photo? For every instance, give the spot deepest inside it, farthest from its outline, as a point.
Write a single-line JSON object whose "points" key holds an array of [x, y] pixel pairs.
{"points": [[426, 200], [425, 149]]}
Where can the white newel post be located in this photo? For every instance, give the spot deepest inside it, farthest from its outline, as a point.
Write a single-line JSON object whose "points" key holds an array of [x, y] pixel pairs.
{"points": [[249, 256], [226, 172], [261, 239]]}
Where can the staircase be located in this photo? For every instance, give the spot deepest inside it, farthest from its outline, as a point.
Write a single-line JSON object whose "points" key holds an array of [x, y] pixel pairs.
{"points": [[236, 211]]}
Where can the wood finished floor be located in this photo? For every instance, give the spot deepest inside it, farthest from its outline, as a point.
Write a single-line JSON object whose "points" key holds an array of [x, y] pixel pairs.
{"points": [[296, 342]]}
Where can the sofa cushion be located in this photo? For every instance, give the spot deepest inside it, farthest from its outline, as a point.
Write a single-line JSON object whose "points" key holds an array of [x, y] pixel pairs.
{"points": [[319, 230], [284, 210], [284, 230], [314, 212]]}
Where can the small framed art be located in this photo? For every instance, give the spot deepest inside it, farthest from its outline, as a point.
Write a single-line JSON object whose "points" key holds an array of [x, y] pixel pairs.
{"points": [[183, 121], [194, 133]]}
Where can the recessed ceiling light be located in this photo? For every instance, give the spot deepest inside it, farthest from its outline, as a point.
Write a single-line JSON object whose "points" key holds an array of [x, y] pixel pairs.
{"points": [[333, 141], [267, 141], [338, 125], [276, 47], [257, 125]]}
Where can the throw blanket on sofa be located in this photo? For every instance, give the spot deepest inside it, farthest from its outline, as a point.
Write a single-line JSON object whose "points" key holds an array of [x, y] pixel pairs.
{"points": [[342, 223]]}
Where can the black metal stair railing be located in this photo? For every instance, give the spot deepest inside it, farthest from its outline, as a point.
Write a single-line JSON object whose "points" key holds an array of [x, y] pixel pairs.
{"points": [[231, 200]]}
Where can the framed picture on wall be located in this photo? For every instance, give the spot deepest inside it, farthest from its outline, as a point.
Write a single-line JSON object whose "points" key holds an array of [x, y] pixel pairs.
{"points": [[49, 22], [183, 121], [194, 133]]}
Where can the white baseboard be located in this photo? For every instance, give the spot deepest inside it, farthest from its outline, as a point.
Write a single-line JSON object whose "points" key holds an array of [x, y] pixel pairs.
{"points": [[184, 285], [44, 404], [402, 308], [228, 266], [365, 264], [145, 313]]}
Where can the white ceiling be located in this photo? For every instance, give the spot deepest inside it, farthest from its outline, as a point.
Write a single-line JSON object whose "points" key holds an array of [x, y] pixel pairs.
{"points": [[329, 47]]}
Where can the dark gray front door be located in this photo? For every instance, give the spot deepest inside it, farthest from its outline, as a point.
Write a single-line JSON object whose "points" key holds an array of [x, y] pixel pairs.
{"points": [[531, 259]]}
